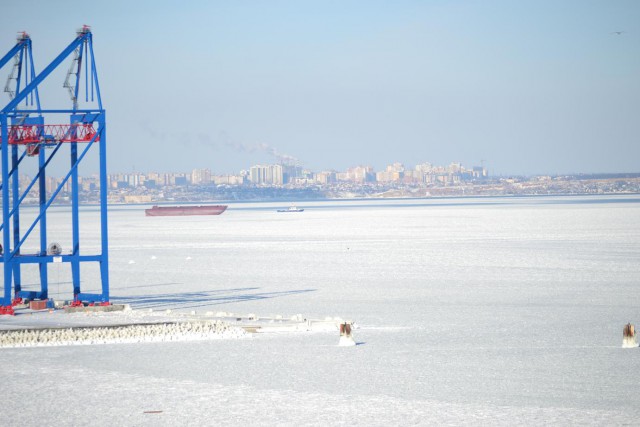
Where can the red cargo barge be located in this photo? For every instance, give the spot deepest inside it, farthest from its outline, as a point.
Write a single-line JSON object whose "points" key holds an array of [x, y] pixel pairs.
{"points": [[185, 210]]}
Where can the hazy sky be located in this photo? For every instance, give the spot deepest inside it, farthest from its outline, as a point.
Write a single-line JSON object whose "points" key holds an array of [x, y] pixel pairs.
{"points": [[530, 87]]}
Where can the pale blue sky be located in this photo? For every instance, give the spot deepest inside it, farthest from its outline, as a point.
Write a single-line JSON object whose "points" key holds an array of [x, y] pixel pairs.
{"points": [[531, 87]]}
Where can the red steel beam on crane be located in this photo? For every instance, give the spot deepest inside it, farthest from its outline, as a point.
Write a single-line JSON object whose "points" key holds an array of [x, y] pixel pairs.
{"points": [[35, 134]]}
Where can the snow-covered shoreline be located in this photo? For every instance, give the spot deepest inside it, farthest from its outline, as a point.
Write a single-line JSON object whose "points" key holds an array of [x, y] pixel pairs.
{"points": [[94, 326]]}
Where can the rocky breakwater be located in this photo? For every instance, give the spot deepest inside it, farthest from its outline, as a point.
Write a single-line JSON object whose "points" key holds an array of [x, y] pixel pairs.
{"points": [[134, 333]]}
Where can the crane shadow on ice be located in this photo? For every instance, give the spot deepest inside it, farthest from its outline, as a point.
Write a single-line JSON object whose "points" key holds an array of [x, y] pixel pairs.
{"points": [[184, 300], [154, 285]]}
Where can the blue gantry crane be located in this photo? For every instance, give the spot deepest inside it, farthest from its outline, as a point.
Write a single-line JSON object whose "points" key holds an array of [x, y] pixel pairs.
{"points": [[26, 134]]}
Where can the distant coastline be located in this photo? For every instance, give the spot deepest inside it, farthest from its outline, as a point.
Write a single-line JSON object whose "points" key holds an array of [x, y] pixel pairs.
{"points": [[404, 201], [629, 184], [567, 185]]}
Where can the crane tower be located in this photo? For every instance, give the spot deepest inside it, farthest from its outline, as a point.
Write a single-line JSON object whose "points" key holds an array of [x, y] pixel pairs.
{"points": [[27, 136]]}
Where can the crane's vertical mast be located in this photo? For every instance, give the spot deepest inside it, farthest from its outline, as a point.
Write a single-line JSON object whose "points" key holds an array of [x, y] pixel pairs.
{"points": [[22, 72]]}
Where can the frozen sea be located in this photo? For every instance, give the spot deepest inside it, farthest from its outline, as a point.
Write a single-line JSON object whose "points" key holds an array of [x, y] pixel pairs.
{"points": [[494, 311]]}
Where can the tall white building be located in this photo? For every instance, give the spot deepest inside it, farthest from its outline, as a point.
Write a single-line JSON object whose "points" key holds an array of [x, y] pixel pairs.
{"points": [[266, 174], [201, 176]]}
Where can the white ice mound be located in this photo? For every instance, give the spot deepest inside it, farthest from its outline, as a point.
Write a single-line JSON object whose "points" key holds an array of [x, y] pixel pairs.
{"points": [[629, 342], [346, 341]]}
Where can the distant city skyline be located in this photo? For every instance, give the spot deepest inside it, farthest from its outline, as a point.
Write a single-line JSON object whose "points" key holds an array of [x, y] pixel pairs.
{"points": [[269, 182], [527, 88], [278, 174]]}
